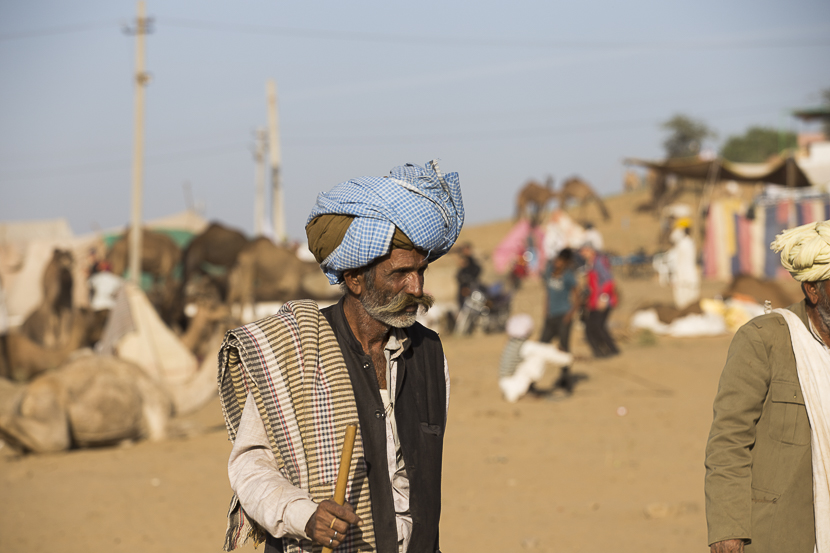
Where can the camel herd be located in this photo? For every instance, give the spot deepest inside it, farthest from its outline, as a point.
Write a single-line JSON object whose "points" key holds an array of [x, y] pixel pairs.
{"points": [[55, 393]]}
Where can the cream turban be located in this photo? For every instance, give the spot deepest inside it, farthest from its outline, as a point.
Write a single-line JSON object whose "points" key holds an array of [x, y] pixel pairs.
{"points": [[805, 251]]}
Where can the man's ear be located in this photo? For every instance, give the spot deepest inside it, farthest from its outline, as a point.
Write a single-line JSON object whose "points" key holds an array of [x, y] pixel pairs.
{"points": [[354, 281], [810, 292]]}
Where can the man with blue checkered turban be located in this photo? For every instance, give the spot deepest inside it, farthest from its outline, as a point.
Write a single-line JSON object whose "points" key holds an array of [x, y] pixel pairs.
{"points": [[366, 358]]}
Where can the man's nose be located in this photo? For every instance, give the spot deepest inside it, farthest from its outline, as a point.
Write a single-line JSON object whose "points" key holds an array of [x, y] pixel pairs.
{"points": [[415, 285]]}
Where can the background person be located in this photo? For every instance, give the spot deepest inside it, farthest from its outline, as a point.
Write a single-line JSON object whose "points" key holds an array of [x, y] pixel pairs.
{"points": [[522, 363], [601, 299], [561, 303]]}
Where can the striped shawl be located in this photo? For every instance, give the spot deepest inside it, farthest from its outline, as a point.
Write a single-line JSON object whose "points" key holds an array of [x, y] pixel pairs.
{"points": [[292, 364]]}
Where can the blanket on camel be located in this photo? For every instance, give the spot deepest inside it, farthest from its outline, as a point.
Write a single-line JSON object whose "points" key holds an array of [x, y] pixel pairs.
{"points": [[292, 364]]}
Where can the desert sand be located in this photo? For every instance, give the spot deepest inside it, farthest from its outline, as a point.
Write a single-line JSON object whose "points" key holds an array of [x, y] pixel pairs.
{"points": [[616, 467]]}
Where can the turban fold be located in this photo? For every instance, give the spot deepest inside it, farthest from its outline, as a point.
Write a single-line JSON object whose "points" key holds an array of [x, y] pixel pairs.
{"points": [[805, 251], [362, 219]]}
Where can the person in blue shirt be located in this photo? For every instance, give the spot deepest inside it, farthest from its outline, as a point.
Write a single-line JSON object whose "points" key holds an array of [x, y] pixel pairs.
{"points": [[560, 307]]}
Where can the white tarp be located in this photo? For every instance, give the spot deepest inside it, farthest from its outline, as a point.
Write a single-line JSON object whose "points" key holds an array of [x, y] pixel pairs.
{"points": [[152, 345]]}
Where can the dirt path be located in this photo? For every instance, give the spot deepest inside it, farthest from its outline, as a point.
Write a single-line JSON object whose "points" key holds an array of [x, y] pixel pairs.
{"points": [[572, 475]]}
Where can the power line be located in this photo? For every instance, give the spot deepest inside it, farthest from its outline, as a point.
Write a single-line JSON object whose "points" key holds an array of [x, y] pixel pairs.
{"points": [[59, 30], [123, 164], [389, 38], [420, 40]]}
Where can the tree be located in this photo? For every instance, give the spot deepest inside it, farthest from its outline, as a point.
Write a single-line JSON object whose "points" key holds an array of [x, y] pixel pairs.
{"points": [[757, 144], [687, 136]]}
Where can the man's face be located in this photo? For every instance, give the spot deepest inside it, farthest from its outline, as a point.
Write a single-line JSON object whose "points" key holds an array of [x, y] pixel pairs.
{"points": [[823, 303], [394, 288]]}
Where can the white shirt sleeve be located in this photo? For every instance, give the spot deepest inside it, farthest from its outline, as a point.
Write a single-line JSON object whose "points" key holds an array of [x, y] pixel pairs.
{"points": [[267, 496], [447, 380]]}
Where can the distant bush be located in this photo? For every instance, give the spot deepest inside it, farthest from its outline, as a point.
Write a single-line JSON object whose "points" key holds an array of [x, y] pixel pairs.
{"points": [[757, 145]]}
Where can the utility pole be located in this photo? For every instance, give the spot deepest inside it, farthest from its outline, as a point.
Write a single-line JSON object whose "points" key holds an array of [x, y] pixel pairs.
{"points": [[259, 197], [142, 27], [277, 210]]}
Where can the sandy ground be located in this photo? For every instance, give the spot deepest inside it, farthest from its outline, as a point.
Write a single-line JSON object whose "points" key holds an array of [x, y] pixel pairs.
{"points": [[574, 474]]}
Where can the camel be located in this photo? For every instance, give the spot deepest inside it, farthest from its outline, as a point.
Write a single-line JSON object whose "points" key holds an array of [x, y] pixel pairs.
{"points": [[24, 358], [631, 181], [159, 257], [213, 253], [577, 191], [751, 288], [49, 325], [91, 401], [533, 198], [209, 318], [267, 272]]}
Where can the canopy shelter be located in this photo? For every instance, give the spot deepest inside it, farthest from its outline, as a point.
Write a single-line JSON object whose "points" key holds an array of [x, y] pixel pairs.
{"points": [[821, 113], [784, 171]]}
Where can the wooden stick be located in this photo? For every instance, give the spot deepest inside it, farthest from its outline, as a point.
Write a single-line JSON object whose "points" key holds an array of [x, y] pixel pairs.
{"points": [[345, 466]]}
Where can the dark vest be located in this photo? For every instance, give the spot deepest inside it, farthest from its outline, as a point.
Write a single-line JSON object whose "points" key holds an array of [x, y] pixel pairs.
{"points": [[420, 412]]}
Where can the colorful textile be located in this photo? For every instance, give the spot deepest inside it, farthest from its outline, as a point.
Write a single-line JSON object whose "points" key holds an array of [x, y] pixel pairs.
{"points": [[522, 239], [292, 364], [422, 202]]}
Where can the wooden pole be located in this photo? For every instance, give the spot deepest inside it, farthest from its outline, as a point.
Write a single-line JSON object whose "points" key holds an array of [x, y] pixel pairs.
{"points": [[277, 209], [345, 466], [138, 147], [259, 198]]}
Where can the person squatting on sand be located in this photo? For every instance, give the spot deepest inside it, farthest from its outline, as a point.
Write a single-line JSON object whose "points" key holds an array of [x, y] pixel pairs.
{"points": [[768, 454], [523, 361], [291, 383]]}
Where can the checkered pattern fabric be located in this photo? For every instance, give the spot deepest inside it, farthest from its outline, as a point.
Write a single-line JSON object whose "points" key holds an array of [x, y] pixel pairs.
{"points": [[292, 365], [421, 201]]}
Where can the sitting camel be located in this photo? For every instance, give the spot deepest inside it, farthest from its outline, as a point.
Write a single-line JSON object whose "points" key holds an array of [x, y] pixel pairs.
{"points": [[91, 401], [22, 359]]}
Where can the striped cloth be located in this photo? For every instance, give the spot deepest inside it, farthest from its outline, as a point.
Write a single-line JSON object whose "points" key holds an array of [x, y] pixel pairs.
{"points": [[292, 365], [421, 201]]}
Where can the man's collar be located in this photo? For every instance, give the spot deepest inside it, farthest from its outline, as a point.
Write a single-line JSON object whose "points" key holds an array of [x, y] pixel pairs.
{"points": [[398, 342]]}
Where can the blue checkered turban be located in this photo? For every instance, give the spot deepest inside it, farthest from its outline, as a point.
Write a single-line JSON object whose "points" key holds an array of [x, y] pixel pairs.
{"points": [[422, 202]]}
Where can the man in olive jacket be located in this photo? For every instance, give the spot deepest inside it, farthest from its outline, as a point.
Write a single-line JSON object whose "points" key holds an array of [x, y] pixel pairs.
{"points": [[759, 458]]}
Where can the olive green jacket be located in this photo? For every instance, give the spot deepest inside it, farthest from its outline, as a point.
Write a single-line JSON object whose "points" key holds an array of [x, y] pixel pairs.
{"points": [[759, 476]]}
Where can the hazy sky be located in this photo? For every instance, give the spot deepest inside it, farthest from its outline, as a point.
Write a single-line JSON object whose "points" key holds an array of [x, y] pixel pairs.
{"points": [[499, 91]]}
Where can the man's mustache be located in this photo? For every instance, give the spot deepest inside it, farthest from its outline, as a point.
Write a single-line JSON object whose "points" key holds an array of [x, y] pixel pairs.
{"points": [[404, 300]]}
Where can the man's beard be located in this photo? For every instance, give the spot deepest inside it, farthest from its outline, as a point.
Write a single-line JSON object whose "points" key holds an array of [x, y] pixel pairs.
{"points": [[823, 305], [391, 311]]}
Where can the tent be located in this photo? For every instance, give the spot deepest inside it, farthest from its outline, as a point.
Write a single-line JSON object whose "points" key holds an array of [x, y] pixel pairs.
{"points": [[785, 171]]}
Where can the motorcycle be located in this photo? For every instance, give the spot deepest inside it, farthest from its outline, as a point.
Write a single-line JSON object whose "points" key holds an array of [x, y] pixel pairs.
{"points": [[486, 308]]}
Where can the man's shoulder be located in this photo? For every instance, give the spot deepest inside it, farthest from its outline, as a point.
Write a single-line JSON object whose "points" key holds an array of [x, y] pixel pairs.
{"points": [[773, 322], [417, 330]]}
